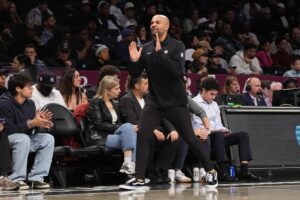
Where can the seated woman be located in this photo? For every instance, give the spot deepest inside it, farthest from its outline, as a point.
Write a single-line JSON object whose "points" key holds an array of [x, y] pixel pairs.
{"points": [[104, 124], [70, 89]]}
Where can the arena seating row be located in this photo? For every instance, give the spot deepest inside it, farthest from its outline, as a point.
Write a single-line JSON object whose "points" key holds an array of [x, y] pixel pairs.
{"points": [[272, 132]]}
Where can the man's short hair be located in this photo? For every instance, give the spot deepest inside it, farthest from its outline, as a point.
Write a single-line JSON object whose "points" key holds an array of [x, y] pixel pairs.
{"points": [[18, 80], [295, 58], [249, 46], [266, 84], [132, 81], [108, 70], [210, 83], [29, 46]]}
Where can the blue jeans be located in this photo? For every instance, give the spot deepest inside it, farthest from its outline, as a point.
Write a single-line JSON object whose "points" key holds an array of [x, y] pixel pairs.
{"points": [[23, 144], [123, 138]]}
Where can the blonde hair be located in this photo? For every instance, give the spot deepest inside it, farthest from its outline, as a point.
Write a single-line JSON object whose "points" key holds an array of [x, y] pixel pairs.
{"points": [[107, 83], [227, 83]]}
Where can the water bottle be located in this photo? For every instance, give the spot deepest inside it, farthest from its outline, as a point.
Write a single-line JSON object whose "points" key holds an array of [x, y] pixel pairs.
{"points": [[196, 174], [232, 171], [171, 175]]}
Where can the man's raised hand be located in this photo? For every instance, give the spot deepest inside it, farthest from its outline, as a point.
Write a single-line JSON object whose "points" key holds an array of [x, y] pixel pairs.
{"points": [[134, 53]]}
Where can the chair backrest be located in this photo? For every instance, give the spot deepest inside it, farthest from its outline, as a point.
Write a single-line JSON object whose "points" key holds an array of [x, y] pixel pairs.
{"points": [[64, 124]]}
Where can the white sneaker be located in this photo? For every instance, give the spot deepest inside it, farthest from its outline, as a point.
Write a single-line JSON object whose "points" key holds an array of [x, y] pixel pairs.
{"points": [[128, 168], [181, 177], [202, 173], [211, 180]]}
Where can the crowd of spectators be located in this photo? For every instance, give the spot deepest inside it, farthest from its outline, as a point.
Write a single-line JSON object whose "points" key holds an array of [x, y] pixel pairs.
{"points": [[221, 37], [249, 36]]}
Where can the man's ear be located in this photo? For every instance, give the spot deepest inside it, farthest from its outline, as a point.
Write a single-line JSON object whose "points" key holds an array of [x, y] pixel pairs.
{"points": [[18, 89]]}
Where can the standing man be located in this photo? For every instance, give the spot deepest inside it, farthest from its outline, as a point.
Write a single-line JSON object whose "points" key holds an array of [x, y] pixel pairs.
{"points": [[163, 60], [21, 125]]}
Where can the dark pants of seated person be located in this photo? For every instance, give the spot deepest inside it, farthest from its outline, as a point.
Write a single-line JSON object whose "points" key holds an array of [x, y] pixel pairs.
{"points": [[220, 144], [5, 155], [166, 152], [182, 153]]}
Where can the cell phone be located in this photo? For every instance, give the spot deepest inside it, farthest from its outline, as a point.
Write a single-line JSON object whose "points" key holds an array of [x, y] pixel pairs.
{"points": [[2, 120]]}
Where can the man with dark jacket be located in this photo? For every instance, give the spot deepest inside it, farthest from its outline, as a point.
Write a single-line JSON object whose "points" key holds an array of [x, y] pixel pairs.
{"points": [[252, 95], [21, 125], [163, 60]]}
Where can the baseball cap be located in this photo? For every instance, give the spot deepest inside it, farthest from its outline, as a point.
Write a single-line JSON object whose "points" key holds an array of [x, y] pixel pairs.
{"points": [[101, 4], [85, 1], [126, 31], [128, 5], [280, 5], [100, 47], [47, 78], [214, 53], [64, 47]]}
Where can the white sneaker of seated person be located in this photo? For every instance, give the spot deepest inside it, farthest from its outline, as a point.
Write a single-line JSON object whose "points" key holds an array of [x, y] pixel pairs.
{"points": [[211, 180], [128, 168], [181, 177]]}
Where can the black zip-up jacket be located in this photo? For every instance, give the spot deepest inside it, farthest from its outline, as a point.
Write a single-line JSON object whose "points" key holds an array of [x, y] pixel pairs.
{"points": [[16, 115], [165, 72]]}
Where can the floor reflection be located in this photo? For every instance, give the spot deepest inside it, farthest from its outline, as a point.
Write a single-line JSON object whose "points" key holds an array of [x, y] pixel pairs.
{"points": [[261, 191]]}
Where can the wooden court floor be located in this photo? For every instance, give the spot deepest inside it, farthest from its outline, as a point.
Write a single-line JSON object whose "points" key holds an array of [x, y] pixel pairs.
{"points": [[262, 191]]}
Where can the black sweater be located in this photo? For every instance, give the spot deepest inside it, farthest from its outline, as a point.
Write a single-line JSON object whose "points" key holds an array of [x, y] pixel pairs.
{"points": [[165, 71], [16, 115]]}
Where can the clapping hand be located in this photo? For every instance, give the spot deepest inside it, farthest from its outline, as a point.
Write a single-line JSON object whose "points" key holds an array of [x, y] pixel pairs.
{"points": [[46, 114], [42, 119], [158, 45]]}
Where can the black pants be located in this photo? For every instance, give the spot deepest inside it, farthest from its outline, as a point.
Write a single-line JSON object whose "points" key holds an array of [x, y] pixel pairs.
{"points": [[220, 145], [5, 155], [162, 154], [180, 119]]}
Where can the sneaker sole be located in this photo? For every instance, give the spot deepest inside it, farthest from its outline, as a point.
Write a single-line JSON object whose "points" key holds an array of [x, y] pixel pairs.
{"points": [[138, 187], [41, 188], [211, 187], [9, 189], [23, 187], [126, 172], [183, 181]]}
